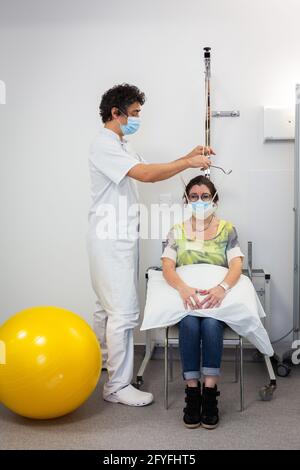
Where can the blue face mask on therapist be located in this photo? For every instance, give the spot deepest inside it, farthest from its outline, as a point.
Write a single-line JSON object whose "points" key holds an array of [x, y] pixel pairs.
{"points": [[132, 126]]}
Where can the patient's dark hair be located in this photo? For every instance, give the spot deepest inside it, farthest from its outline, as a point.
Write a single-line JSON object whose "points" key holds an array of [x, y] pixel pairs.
{"points": [[198, 180]]}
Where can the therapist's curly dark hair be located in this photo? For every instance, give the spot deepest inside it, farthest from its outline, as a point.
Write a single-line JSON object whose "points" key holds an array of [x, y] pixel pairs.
{"points": [[119, 96], [198, 180]]}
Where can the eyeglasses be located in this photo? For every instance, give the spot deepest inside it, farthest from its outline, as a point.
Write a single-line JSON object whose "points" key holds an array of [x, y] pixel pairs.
{"points": [[205, 197], [126, 114]]}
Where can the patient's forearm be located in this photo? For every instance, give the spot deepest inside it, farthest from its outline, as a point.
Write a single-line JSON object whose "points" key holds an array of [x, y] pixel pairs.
{"points": [[172, 278], [234, 272]]}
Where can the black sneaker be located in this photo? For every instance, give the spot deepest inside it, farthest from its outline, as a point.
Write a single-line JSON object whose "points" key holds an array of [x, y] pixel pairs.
{"points": [[210, 412], [192, 411]]}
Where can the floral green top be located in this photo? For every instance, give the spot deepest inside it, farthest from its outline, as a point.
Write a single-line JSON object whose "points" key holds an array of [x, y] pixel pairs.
{"points": [[219, 250]]}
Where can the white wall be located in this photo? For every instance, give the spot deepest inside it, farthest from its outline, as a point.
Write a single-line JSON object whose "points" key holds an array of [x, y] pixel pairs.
{"points": [[57, 58]]}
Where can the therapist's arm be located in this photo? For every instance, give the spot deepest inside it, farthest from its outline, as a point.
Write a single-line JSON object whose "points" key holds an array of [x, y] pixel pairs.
{"points": [[186, 292], [152, 172]]}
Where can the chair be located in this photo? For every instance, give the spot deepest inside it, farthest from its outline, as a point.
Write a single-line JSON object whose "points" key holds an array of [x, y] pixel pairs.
{"points": [[230, 338], [261, 281]]}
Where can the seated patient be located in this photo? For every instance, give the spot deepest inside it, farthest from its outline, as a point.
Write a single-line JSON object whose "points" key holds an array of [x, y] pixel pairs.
{"points": [[204, 238]]}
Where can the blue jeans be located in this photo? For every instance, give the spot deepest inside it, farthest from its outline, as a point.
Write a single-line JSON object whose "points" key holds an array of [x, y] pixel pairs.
{"points": [[192, 331]]}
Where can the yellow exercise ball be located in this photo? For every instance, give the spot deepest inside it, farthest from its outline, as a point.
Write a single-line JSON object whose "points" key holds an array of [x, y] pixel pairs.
{"points": [[51, 362]]}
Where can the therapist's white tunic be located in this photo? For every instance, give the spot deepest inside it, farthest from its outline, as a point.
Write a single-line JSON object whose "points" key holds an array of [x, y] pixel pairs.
{"points": [[114, 262]]}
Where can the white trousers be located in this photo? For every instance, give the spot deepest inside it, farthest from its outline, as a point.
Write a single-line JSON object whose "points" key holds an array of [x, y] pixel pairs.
{"points": [[113, 269], [99, 326], [115, 334]]}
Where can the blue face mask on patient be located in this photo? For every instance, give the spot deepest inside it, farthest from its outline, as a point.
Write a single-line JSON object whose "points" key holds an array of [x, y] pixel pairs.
{"points": [[202, 210]]}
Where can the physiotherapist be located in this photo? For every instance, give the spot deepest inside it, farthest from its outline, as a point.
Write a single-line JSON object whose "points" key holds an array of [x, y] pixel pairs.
{"points": [[113, 260]]}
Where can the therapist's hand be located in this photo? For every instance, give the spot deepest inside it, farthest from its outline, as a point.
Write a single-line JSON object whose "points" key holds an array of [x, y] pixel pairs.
{"points": [[189, 296], [201, 150], [199, 157], [214, 297]]}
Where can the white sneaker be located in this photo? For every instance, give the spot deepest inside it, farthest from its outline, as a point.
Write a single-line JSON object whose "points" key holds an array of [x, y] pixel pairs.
{"points": [[131, 396]]}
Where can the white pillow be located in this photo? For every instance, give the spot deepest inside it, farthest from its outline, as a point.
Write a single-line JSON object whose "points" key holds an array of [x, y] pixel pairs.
{"points": [[240, 309]]}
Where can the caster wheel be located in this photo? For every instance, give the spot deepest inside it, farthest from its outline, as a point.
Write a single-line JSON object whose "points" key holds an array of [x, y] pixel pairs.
{"points": [[266, 393], [287, 358], [283, 370]]}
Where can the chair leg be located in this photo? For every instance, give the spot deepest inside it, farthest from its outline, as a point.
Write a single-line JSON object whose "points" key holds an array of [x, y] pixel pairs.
{"points": [[166, 367], [241, 375], [236, 365], [171, 361]]}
